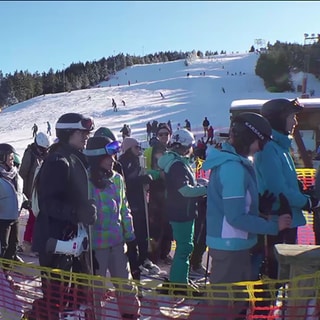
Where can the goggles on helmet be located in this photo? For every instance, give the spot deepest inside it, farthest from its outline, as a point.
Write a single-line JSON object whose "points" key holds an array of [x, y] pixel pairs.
{"points": [[110, 149], [296, 105], [83, 124]]}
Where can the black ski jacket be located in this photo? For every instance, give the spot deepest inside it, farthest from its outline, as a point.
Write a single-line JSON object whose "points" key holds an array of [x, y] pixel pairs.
{"points": [[62, 190]]}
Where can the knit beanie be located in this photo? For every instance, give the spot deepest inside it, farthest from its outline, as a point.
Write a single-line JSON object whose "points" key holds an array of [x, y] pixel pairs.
{"points": [[129, 143]]}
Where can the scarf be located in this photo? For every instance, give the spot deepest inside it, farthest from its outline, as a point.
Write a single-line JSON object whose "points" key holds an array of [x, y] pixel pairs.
{"points": [[9, 175]]}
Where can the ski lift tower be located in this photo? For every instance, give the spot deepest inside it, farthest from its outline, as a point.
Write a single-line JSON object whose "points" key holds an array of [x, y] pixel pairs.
{"points": [[308, 40], [260, 44]]}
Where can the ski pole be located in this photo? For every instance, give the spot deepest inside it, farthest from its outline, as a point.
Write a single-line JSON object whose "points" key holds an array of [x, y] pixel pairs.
{"points": [[207, 267], [147, 218], [143, 164]]}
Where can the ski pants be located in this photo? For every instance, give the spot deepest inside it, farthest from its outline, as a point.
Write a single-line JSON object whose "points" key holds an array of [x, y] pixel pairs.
{"points": [[9, 238], [140, 231], [199, 235], [29, 227], [183, 233], [115, 260]]}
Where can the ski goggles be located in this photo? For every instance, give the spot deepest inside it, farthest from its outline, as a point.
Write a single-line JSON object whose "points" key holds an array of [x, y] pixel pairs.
{"points": [[110, 149], [83, 124]]}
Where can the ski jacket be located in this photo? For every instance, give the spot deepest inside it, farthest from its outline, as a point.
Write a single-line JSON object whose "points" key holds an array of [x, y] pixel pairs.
{"points": [[205, 123], [182, 191], [276, 172], [114, 221], [157, 187], [31, 160], [62, 190], [124, 131], [210, 132], [134, 182], [11, 197], [232, 202]]}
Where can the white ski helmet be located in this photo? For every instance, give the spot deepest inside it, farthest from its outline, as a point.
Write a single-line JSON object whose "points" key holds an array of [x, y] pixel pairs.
{"points": [[183, 137], [42, 140]]}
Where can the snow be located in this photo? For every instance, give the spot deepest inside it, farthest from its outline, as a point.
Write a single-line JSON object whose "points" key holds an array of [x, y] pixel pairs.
{"points": [[192, 98]]}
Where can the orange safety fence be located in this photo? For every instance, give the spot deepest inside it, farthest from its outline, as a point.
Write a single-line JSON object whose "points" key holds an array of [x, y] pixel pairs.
{"points": [[306, 233], [307, 177], [75, 296]]}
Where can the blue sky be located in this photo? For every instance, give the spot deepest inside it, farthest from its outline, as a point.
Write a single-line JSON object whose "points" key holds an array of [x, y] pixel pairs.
{"points": [[37, 35]]}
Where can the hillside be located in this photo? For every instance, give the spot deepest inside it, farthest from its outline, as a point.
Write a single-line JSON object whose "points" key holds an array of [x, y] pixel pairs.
{"points": [[186, 97]]}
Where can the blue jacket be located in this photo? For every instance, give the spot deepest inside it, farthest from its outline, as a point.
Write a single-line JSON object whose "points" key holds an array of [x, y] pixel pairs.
{"points": [[11, 198], [182, 191], [276, 172], [232, 205]]}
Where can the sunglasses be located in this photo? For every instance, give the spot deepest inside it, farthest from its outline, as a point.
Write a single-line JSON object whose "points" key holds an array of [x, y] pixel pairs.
{"points": [[110, 149], [83, 124]]}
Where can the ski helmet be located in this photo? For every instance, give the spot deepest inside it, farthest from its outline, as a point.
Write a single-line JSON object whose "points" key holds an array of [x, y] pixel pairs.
{"points": [[165, 126], [99, 147], [42, 140], [246, 128], [5, 150], [70, 122], [277, 111], [183, 137], [106, 132]]}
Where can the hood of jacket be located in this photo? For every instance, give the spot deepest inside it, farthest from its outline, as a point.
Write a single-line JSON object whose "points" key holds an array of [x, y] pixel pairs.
{"points": [[169, 158], [217, 157]]}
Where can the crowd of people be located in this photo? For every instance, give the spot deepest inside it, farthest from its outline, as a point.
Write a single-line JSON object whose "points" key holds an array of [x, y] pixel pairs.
{"points": [[133, 203]]}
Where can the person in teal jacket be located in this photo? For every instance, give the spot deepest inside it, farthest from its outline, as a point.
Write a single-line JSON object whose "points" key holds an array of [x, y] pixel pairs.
{"points": [[113, 227], [276, 172], [233, 220], [182, 193]]}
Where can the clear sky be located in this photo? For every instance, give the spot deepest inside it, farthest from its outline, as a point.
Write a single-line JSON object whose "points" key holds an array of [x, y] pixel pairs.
{"points": [[37, 35]]}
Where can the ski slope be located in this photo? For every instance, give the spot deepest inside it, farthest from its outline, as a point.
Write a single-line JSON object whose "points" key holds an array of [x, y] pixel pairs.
{"points": [[186, 97]]}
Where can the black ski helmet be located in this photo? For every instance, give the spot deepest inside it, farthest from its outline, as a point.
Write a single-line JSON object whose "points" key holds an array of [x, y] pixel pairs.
{"points": [[106, 132], [69, 122], [96, 144], [246, 128], [277, 111], [5, 150]]}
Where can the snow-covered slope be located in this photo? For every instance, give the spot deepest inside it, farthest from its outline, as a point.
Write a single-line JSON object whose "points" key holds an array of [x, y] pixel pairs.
{"points": [[186, 97]]}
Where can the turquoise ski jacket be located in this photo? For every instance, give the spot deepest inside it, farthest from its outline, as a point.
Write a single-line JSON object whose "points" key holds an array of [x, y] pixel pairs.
{"points": [[232, 204], [276, 172]]}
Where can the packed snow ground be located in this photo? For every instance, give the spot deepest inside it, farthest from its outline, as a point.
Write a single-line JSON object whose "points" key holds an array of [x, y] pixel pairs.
{"points": [[194, 97]]}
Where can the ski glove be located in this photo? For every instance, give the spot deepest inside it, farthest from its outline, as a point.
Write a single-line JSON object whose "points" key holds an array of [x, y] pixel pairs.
{"points": [[87, 213], [26, 205], [284, 205], [266, 202]]}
